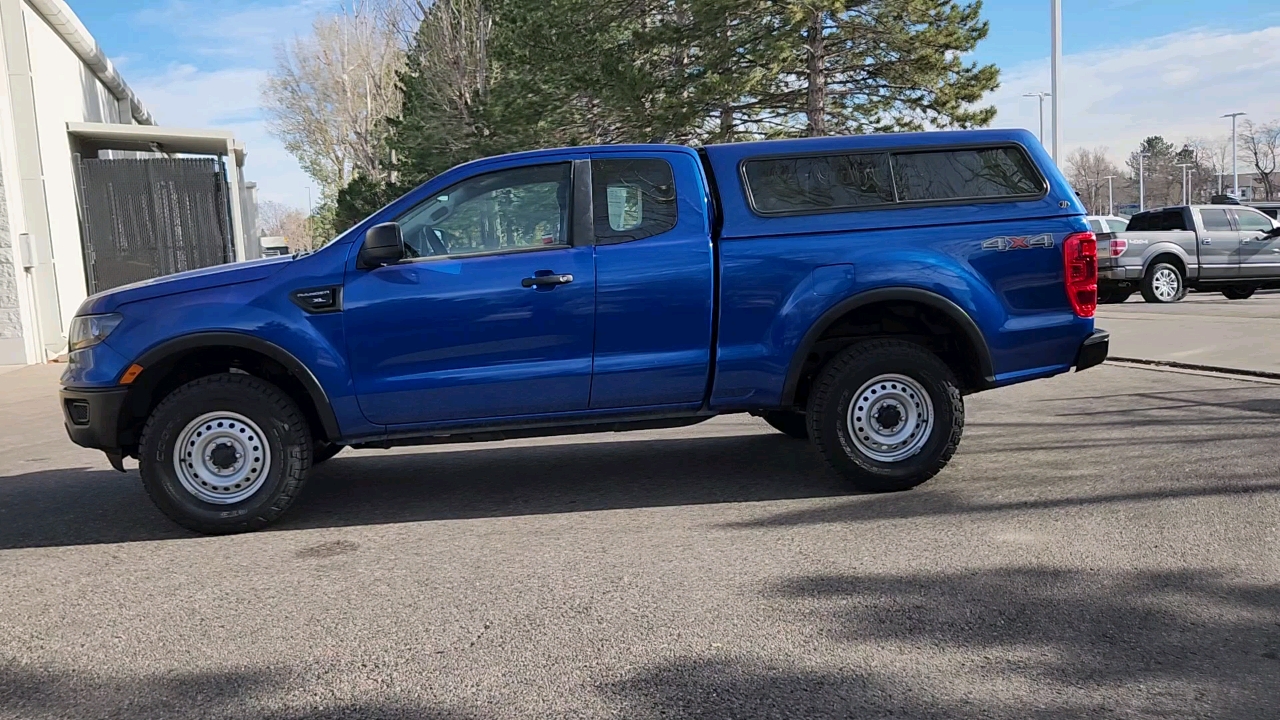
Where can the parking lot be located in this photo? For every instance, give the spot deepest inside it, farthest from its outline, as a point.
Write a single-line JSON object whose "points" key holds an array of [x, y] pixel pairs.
{"points": [[1204, 329], [1105, 544]]}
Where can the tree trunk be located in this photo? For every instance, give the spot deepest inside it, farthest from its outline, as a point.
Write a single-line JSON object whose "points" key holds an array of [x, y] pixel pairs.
{"points": [[816, 99], [726, 124]]}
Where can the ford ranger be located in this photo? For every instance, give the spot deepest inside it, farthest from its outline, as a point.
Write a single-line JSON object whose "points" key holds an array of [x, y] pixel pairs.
{"points": [[848, 290]]}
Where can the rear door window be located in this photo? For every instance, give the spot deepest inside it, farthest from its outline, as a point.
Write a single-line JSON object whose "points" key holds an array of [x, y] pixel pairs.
{"points": [[1001, 172], [1215, 220], [633, 198], [818, 184], [1117, 225]]}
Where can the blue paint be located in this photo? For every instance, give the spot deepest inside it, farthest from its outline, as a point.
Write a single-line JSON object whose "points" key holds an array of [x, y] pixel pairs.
{"points": [[429, 344]]}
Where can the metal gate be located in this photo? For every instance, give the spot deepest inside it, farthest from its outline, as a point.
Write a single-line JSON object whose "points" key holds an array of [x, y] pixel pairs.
{"points": [[150, 217]]}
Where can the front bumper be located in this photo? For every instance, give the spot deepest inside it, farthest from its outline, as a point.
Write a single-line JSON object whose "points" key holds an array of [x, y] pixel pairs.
{"points": [[92, 417], [1093, 351]]}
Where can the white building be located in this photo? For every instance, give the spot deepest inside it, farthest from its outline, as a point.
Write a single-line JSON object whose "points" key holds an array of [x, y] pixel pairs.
{"points": [[61, 101]]}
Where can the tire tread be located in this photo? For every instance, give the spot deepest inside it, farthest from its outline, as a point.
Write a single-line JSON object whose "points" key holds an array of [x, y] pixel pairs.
{"points": [[863, 352], [295, 472]]}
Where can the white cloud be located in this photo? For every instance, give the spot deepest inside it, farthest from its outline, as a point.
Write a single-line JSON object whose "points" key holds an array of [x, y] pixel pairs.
{"points": [[1177, 86], [229, 100]]}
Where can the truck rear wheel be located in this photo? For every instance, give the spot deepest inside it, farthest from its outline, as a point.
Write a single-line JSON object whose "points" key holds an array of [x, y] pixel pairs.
{"points": [[887, 415], [1163, 283], [1240, 292], [789, 423], [225, 453]]}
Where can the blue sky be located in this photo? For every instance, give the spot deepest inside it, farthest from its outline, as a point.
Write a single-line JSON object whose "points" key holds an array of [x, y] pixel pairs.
{"points": [[1134, 67]]}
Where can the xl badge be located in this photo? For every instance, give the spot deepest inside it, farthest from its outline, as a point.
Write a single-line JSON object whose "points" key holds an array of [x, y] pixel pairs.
{"points": [[1018, 243]]}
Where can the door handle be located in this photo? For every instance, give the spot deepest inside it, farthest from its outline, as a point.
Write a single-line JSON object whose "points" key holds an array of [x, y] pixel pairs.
{"points": [[1244, 240], [1207, 241], [546, 280]]}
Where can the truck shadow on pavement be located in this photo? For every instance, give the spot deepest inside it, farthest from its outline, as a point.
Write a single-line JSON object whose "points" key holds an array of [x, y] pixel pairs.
{"points": [[77, 506]]}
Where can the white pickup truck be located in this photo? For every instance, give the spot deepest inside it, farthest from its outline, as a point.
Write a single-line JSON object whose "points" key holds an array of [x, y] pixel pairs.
{"points": [[1166, 252]]}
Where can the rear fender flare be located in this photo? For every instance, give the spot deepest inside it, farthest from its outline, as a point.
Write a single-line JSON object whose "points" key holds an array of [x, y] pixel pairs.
{"points": [[909, 294], [1168, 248]]}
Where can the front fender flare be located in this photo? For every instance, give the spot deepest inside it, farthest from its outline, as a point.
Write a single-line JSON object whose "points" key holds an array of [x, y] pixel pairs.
{"points": [[910, 294], [198, 340]]}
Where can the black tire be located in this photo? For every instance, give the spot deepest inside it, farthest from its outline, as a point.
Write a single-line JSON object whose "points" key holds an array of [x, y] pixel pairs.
{"points": [[283, 427], [323, 451], [789, 423], [846, 375], [1149, 283], [1113, 297], [1239, 293]]}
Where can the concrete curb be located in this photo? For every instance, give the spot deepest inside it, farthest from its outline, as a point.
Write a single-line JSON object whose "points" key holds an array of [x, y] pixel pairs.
{"points": [[1269, 378]]}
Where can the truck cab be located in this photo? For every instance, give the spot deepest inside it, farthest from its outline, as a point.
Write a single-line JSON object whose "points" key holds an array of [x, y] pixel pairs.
{"points": [[849, 290]]}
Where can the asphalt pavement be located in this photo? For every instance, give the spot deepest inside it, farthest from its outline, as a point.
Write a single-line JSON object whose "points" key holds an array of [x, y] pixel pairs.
{"points": [[1104, 544]]}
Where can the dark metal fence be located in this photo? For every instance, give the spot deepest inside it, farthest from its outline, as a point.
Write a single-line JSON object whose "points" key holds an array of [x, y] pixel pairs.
{"points": [[149, 217]]}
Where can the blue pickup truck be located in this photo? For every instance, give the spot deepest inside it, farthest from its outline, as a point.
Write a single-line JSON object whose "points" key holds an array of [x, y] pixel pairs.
{"points": [[848, 290]]}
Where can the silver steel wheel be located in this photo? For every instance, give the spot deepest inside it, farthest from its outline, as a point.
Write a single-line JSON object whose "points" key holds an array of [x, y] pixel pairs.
{"points": [[222, 457], [890, 418], [1166, 284]]}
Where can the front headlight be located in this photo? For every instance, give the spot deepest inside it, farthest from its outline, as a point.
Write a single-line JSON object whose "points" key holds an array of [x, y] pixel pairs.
{"points": [[89, 330]]}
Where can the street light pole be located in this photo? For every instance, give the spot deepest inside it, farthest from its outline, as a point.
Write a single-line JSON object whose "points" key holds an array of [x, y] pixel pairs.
{"points": [[1235, 157], [1186, 172], [1055, 15], [1042, 96], [1111, 197]]}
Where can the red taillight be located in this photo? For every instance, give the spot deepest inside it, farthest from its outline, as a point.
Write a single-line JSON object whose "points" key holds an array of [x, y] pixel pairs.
{"points": [[1080, 260], [1118, 246]]}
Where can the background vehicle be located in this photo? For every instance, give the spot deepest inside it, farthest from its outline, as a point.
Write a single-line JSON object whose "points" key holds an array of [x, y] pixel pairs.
{"points": [[1102, 224], [1270, 209], [1166, 252], [848, 290]]}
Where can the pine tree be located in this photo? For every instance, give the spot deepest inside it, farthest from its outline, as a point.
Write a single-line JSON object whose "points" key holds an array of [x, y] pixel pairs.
{"points": [[859, 66]]}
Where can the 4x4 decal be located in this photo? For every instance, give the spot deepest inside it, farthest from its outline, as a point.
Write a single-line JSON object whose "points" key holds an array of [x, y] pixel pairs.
{"points": [[1026, 242]]}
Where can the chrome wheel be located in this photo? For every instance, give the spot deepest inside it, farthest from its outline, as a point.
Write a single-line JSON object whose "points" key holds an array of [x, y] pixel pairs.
{"points": [[222, 458], [1166, 284], [890, 418]]}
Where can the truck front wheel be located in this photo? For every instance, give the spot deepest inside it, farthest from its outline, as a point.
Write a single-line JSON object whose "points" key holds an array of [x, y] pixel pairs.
{"points": [[225, 453], [887, 415]]}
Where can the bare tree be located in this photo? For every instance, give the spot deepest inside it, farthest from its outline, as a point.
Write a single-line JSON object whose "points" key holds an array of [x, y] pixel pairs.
{"points": [[1215, 155], [1260, 146], [451, 62], [279, 220], [331, 93], [1087, 171]]}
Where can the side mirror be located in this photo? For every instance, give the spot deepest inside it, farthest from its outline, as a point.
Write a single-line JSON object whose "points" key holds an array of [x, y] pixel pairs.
{"points": [[383, 245], [1273, 233]]}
